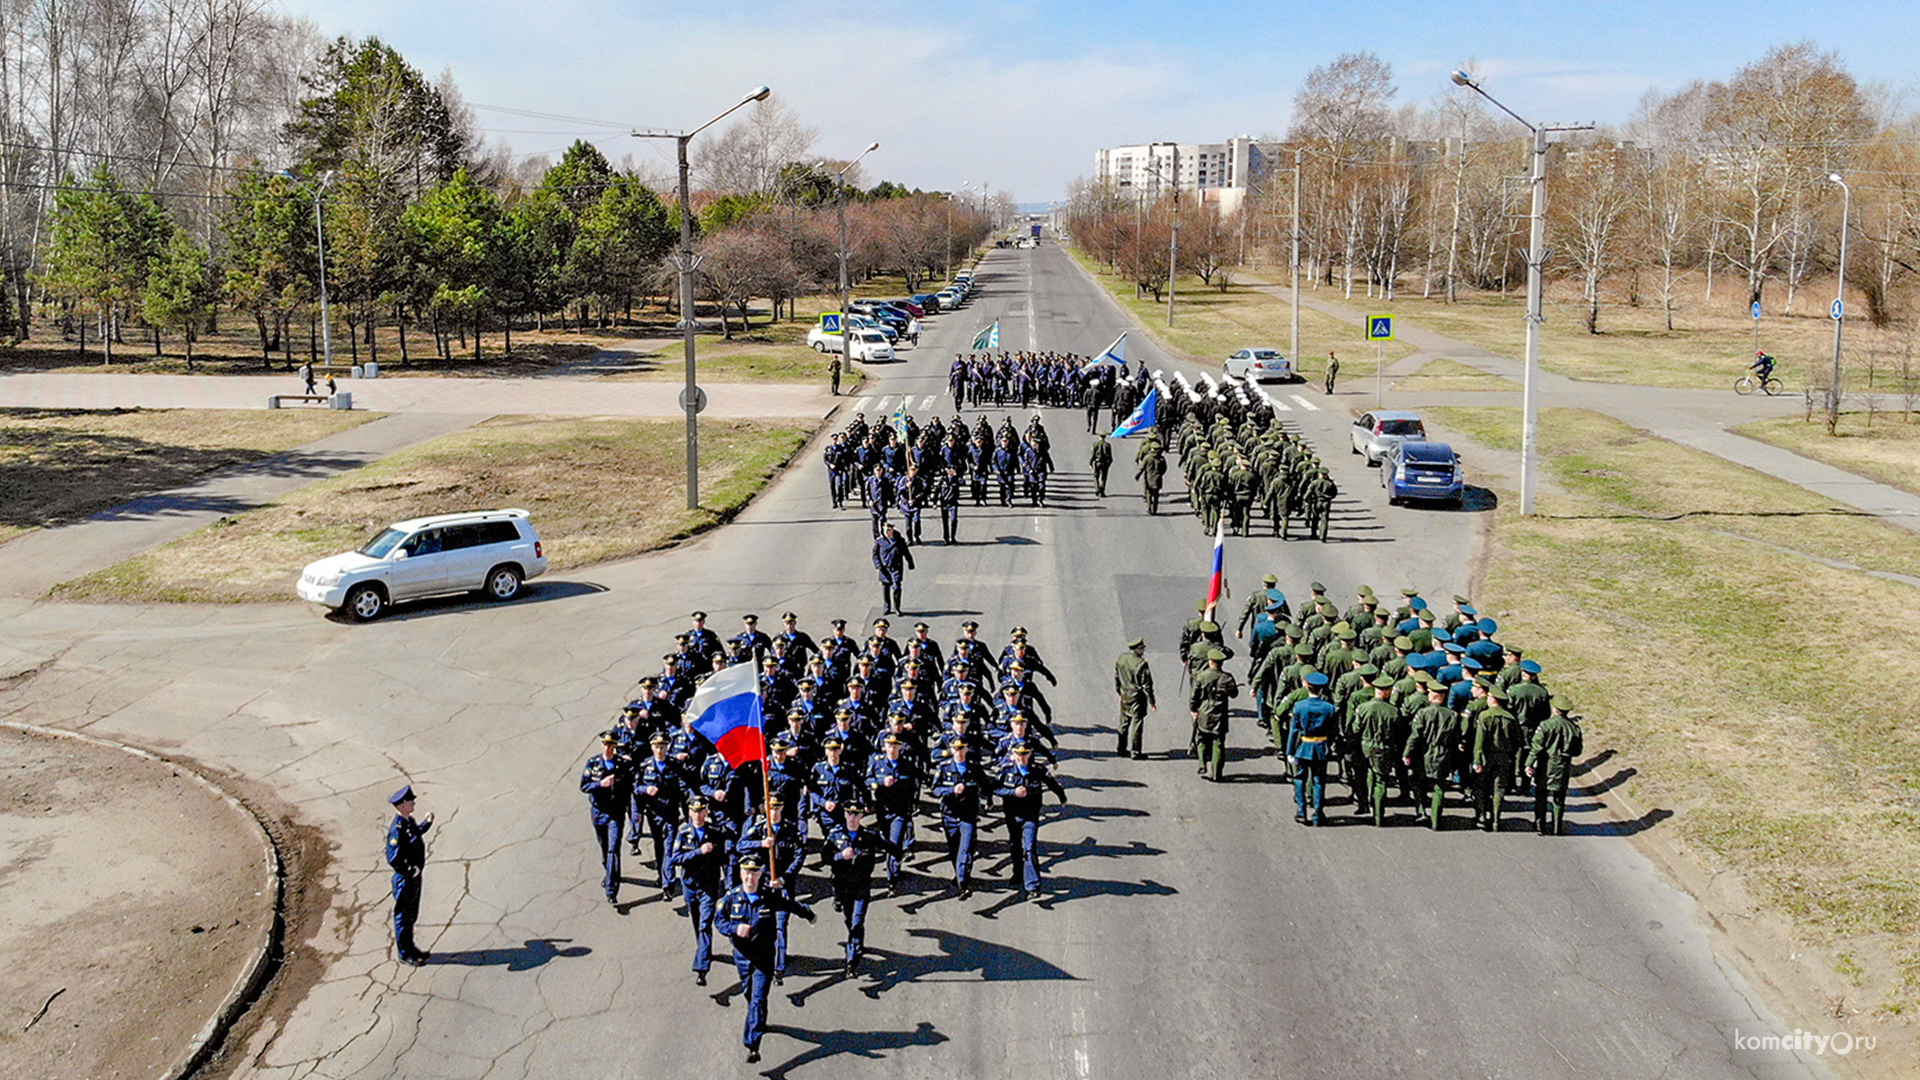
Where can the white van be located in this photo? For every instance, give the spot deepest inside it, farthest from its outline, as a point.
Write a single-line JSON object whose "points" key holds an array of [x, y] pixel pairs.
{"points": [[492, 552]]}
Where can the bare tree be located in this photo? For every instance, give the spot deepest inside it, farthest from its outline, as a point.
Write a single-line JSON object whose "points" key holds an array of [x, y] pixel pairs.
{"points": [[1592, 204], [747, 157]]}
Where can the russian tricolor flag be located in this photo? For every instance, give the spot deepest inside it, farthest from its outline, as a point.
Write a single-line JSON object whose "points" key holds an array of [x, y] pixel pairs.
{"points": [[1217, 585], [726, 710]]}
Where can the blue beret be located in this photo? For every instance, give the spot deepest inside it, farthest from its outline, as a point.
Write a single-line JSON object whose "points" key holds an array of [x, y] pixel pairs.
{"points": [[1417, 604], [401, 796], [1316, 678], [1531, 667], [1442, 634], [1489, 627], [1468, 663], [1468, 609], [1453, 648]]}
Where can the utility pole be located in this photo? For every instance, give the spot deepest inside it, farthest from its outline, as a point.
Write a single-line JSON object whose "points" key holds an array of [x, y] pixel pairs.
{"points": [[690, 397], [1173, 235], [320, 241], [846, 289], [1296, 259], [1839, 303], [1536, 264]]}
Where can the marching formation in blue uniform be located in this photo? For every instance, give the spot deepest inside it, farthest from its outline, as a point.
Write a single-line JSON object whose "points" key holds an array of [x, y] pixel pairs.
{"points": [[861, 739]]}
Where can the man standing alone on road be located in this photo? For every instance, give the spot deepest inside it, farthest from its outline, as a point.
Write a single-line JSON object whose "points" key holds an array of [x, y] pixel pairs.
{"points": [[892, 559], [1333, 370], [833, 371], [1133, 681], [407, 854]]}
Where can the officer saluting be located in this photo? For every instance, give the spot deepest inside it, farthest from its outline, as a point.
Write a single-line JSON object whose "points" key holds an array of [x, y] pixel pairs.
{"points": [[700, 855], [407, 854], [747, 914]]}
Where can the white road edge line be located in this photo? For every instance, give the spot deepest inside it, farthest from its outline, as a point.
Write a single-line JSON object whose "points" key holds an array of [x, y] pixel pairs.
{"points": [[1304, 403]]}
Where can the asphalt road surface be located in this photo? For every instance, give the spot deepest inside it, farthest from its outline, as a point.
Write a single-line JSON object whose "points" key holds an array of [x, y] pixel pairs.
{"points": [[1191, 930]]}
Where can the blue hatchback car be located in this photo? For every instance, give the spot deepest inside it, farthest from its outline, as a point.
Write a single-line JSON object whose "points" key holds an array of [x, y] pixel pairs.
{"points": [[1427, 471]]}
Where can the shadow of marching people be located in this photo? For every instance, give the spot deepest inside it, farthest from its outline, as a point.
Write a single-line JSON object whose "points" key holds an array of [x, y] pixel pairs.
{"points": [[867, 1044]]}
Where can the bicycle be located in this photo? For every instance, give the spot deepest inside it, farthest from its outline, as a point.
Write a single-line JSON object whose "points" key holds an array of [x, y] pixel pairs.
{"points": [[1748, 383]]}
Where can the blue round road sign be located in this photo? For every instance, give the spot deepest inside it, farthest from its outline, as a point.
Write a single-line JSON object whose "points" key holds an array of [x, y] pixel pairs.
{"points": [[1837, 310]]}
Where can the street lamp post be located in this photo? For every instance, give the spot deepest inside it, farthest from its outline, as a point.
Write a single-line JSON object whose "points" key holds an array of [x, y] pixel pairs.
{"points": [[690, 398], [846, 288], [1839, 300], [320, 244], [1296, 258], [1536, 264]]}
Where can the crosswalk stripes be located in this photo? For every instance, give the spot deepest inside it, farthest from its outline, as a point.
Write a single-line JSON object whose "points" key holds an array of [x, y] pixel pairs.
{"points": [[861, 405], [1305, 404], [928, 402], [1279, 406]]}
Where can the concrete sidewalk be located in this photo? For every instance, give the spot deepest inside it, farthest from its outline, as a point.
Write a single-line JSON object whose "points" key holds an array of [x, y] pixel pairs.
{"points": [[1701, 419], [33, 563], [553, 395]]}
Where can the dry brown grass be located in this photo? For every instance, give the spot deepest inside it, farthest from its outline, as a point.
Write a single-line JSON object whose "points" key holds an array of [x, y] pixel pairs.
{"points": [[1695, 610], [598, 489], [1443, 376], [1888, 451], [1210, 323], [63, 465]]}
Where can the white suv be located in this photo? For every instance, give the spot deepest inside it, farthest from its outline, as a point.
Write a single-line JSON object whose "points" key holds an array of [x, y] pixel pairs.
{"points": [[489, 551]]}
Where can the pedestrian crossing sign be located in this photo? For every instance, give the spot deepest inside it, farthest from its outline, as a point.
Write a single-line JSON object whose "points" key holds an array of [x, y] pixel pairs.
{"points": [[830, 322], [1379, 328]]}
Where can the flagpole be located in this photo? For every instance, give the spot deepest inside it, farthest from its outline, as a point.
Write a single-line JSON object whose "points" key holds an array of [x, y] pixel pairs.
{"points": [[766, 794]]}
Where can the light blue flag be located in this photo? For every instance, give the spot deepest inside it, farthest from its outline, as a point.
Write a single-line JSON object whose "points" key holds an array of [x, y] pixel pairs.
{"points": [[988, 338], [1143, 417], [1115, 353]]}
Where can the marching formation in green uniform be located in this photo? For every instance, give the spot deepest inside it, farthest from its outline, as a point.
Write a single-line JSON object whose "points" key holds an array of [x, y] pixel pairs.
{"points": [[1256, 469], [1397, 702]]}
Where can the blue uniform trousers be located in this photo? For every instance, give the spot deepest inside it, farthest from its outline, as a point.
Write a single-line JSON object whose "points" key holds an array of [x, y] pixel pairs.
{"points": [[853, 908], [1023, 841], [959, 848], [754, 981], [406, 911], [700, 905], [608, 828], [1310, 776], [899, 831]]}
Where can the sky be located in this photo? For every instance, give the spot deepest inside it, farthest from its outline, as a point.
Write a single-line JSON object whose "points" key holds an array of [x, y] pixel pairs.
{"points": [[1020, 95]]}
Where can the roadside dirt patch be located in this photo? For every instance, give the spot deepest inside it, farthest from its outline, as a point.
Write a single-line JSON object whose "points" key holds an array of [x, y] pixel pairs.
{"points": [[135, 898]]}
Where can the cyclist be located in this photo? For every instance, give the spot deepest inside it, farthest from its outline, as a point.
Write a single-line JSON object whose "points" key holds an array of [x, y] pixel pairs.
{"points": [[1762, 367]]}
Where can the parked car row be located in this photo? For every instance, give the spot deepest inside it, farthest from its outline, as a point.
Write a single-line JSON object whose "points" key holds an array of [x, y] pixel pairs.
{"points": [[877, 326]]}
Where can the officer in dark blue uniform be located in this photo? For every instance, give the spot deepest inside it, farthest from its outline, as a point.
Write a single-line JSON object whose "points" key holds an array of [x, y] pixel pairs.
{"points": [[1023, 781], [657, 791], [879, 492], [699, 855], [893, 781], [892, 559], [407, 854], [957, 784], [607, 786], [777, 841], [852, 851], [831, 783], [1310, 743], [748, 913]]}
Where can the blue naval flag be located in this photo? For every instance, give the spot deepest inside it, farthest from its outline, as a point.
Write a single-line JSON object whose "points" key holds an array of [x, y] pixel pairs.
{"points": [[1115, 353], [1143, 417]]}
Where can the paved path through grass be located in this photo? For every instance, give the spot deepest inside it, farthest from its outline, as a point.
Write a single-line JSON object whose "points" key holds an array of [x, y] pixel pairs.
{"points": [[1701, 419]]}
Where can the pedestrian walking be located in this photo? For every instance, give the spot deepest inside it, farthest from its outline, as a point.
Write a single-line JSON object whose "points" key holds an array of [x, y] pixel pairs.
{"points": [[407, 854], [306, 375], [1333, 370], [1101, 459]]}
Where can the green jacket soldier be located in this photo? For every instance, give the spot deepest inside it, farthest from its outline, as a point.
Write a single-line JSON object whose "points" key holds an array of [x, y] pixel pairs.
{"points": [[1101, 459], [1333, 370], [1152, 473], [1374, 724], [1529, 703], [1213, 689], [1496, 740], [1133, 682], [1262, 598], [1434, 748], [1556, 743]]}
